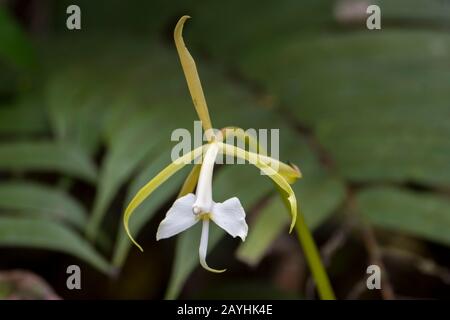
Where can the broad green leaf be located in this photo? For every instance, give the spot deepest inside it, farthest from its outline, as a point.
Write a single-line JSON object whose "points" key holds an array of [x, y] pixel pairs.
{"points": [[48, 235], [418, 214], [377, 101], [41, 201], [321, 195], [46, 156]]}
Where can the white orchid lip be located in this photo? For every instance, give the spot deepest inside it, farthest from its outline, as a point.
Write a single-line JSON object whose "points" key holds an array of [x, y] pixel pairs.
{"points": [[189, 209]]}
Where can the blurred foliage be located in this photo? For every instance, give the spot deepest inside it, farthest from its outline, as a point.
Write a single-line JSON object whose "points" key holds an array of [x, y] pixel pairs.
{"points": [[364, 114], [15, 48]]}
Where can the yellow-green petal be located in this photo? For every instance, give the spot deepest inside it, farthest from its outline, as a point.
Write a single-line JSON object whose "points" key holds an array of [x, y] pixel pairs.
{"points": [[256, 160], [153, 184], [192, 78]]}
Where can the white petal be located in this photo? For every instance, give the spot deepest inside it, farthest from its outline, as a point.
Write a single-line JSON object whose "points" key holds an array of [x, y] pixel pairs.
{"points": [[203, 248], [230, 216], [179, 218]]}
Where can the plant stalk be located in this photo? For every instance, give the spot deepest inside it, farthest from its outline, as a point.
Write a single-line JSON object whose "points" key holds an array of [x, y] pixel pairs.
{"points": [[313, 258]]}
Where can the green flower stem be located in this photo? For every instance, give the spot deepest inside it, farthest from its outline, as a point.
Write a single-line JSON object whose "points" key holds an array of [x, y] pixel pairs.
{"points": [[314, 261]]}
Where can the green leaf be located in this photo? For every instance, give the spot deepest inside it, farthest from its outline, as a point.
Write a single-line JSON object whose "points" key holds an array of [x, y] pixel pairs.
{"points": [[23, 118], [48, 235], [321, 194], [129, 148], [377, 102], [48, 157], [417, 214], [255, 23], [41, 201], [15, 48], [76, 100], [268, 226], [146, 131]]}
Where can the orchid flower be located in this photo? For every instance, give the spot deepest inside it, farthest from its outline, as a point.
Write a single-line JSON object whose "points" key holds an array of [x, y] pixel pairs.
{"points": [[191, 208]]}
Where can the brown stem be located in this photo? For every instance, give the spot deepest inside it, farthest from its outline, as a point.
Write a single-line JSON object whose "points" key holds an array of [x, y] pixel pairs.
{"points": [[375, 255]]}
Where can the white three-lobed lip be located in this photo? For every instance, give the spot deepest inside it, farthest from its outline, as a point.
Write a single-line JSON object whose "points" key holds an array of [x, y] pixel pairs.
{"points": [[189, 209]]}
